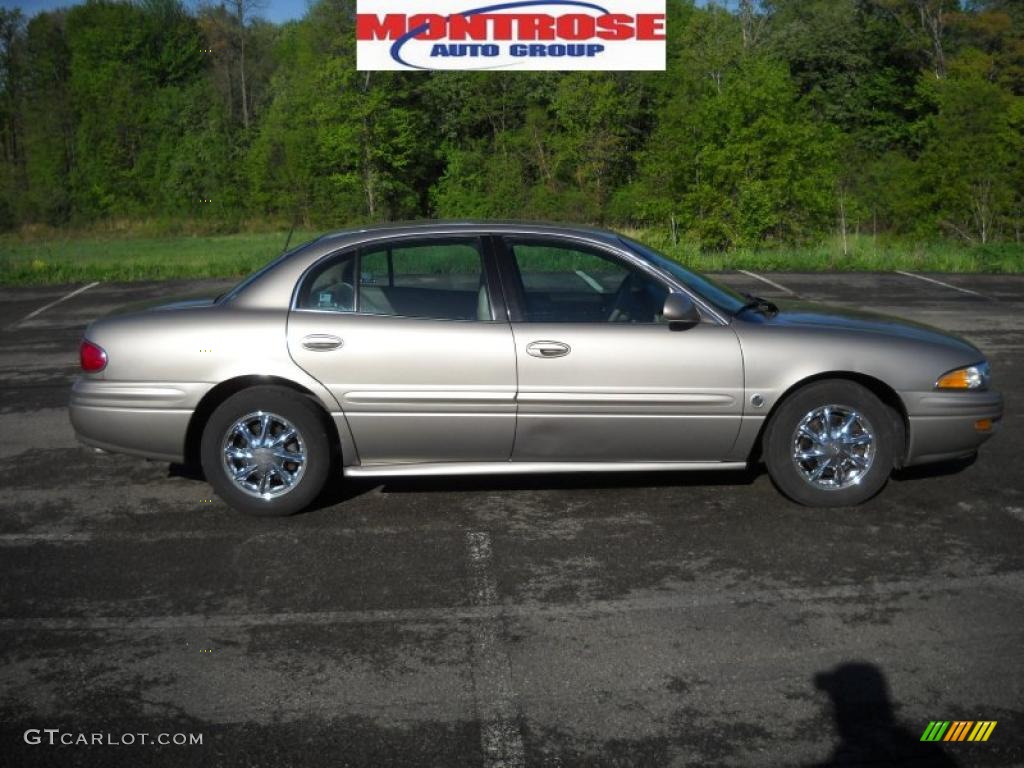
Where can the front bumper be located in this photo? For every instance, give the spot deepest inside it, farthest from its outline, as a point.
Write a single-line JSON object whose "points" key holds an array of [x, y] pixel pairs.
{"points": [[944, 425], [143, 419]]}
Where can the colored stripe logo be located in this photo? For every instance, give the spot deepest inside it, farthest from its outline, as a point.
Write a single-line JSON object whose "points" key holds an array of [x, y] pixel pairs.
{"points": [[958, 730]]}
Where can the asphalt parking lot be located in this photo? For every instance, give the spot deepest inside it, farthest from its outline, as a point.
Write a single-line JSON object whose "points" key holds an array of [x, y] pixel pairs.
{"points": [[621, 620]]}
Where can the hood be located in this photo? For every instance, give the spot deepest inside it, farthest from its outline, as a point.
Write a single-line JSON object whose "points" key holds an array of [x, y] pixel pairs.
{"points": [[811, 315]]}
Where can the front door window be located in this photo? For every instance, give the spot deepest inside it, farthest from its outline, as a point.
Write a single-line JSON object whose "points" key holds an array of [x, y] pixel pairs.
{"points": [[565, 284]]}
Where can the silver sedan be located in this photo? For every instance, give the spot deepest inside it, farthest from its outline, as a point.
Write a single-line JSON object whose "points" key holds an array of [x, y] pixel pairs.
{"points": [[482, 348]]}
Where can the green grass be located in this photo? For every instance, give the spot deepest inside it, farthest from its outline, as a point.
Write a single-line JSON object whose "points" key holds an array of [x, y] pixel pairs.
{"points": [[863, 254], [75, 258], [86, 258]]}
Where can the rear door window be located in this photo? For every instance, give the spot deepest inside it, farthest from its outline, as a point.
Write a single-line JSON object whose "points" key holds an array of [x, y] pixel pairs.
{"points": [[439, 279]]}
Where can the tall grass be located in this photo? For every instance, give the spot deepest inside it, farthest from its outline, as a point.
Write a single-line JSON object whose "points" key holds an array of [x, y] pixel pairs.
{"points": [[863, 253], [121, 254], [87, 258]]}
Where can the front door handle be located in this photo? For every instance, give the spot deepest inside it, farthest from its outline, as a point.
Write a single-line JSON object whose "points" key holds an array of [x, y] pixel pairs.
{"points": [[321, 342], [547, 349]]}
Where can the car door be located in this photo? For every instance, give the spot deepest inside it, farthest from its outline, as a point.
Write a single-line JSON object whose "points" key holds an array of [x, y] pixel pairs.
{"points": [[601, 376], [404, 334]]}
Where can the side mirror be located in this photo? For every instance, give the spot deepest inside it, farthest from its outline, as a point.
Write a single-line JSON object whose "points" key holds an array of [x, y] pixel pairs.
{"points": [[680, 310]]}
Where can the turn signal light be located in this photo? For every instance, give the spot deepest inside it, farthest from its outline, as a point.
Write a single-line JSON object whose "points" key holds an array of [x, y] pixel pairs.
{"points": [[955, 380], [971, 377], [983, 425], [92, 357]]}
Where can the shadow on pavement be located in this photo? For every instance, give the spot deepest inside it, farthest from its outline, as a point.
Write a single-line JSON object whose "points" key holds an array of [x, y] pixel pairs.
{"points": [[940, 469], [554, 482], [341, 489], [186, 471], [869, 734]]}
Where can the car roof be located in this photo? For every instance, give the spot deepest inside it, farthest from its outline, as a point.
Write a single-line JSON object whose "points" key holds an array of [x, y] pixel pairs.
{"points": [[471, 225]]}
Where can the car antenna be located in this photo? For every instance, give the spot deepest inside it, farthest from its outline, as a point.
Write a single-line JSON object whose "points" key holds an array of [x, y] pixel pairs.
{"points": [[288, 240]]}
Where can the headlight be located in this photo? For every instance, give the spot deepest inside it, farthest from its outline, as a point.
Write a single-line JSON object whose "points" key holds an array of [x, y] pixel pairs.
{"points": [[974, 377]]}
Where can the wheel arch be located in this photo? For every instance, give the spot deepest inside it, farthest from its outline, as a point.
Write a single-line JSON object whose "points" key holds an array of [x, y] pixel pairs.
{"points": [[889, 397], [218, 394]]}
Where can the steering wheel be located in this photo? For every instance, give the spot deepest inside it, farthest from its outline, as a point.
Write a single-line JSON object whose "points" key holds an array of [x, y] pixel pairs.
{"points": [[623, 302]]}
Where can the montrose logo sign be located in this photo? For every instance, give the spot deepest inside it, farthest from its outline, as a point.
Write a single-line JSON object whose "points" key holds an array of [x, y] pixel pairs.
{"points": [[519, 34]]}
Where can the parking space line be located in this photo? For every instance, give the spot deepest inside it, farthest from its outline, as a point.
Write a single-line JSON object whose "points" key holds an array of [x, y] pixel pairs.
{"points": [[500, 738], [45, 307], [772, 283], [939, 282]]}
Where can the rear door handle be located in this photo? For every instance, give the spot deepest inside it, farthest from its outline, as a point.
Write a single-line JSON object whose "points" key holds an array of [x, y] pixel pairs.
{"points": [[321, 342], [547, 349]]}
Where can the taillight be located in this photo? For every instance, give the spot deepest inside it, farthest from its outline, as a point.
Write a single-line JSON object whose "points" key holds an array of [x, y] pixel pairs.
{"points": [[92, 356]]}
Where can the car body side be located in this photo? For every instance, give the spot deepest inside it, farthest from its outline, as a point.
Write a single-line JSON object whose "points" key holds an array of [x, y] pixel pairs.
{"points": [[170, 367]]}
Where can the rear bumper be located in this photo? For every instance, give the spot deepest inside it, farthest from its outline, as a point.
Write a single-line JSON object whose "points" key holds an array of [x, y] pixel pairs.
{"points": [[154, 434], [141, 419], [946, 425]]}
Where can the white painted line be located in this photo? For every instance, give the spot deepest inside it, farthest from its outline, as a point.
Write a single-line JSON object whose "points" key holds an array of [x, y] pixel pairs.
{"points": [[42, 309], [589, 281], [485, 589], [939, 282], [500, 738], [772, 283]]}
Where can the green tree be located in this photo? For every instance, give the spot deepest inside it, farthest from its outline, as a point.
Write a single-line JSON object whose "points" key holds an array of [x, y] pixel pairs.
{"points": [[969, 172], [49, 123], [130, 76], [12, 160], [737, 156], [338, 145]]}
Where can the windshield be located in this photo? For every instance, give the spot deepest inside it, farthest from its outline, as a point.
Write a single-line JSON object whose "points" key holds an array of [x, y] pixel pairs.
{"points": [[718, 295], [230, 294]]}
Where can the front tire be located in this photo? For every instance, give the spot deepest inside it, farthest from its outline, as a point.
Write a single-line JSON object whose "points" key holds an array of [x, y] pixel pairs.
{"points": [[266, 451], [830, 444]]}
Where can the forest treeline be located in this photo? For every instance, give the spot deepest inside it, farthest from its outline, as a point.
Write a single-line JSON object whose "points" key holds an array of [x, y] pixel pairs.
{"points": [[776, 122]]}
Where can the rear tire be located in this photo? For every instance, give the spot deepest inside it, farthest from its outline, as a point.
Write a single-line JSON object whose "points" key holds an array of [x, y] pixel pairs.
{"points": [[830, 444], [266, 451]]}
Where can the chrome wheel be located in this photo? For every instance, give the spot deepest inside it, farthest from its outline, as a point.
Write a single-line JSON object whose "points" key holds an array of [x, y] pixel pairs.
{"points": [[833, 447], [264, 455]]}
